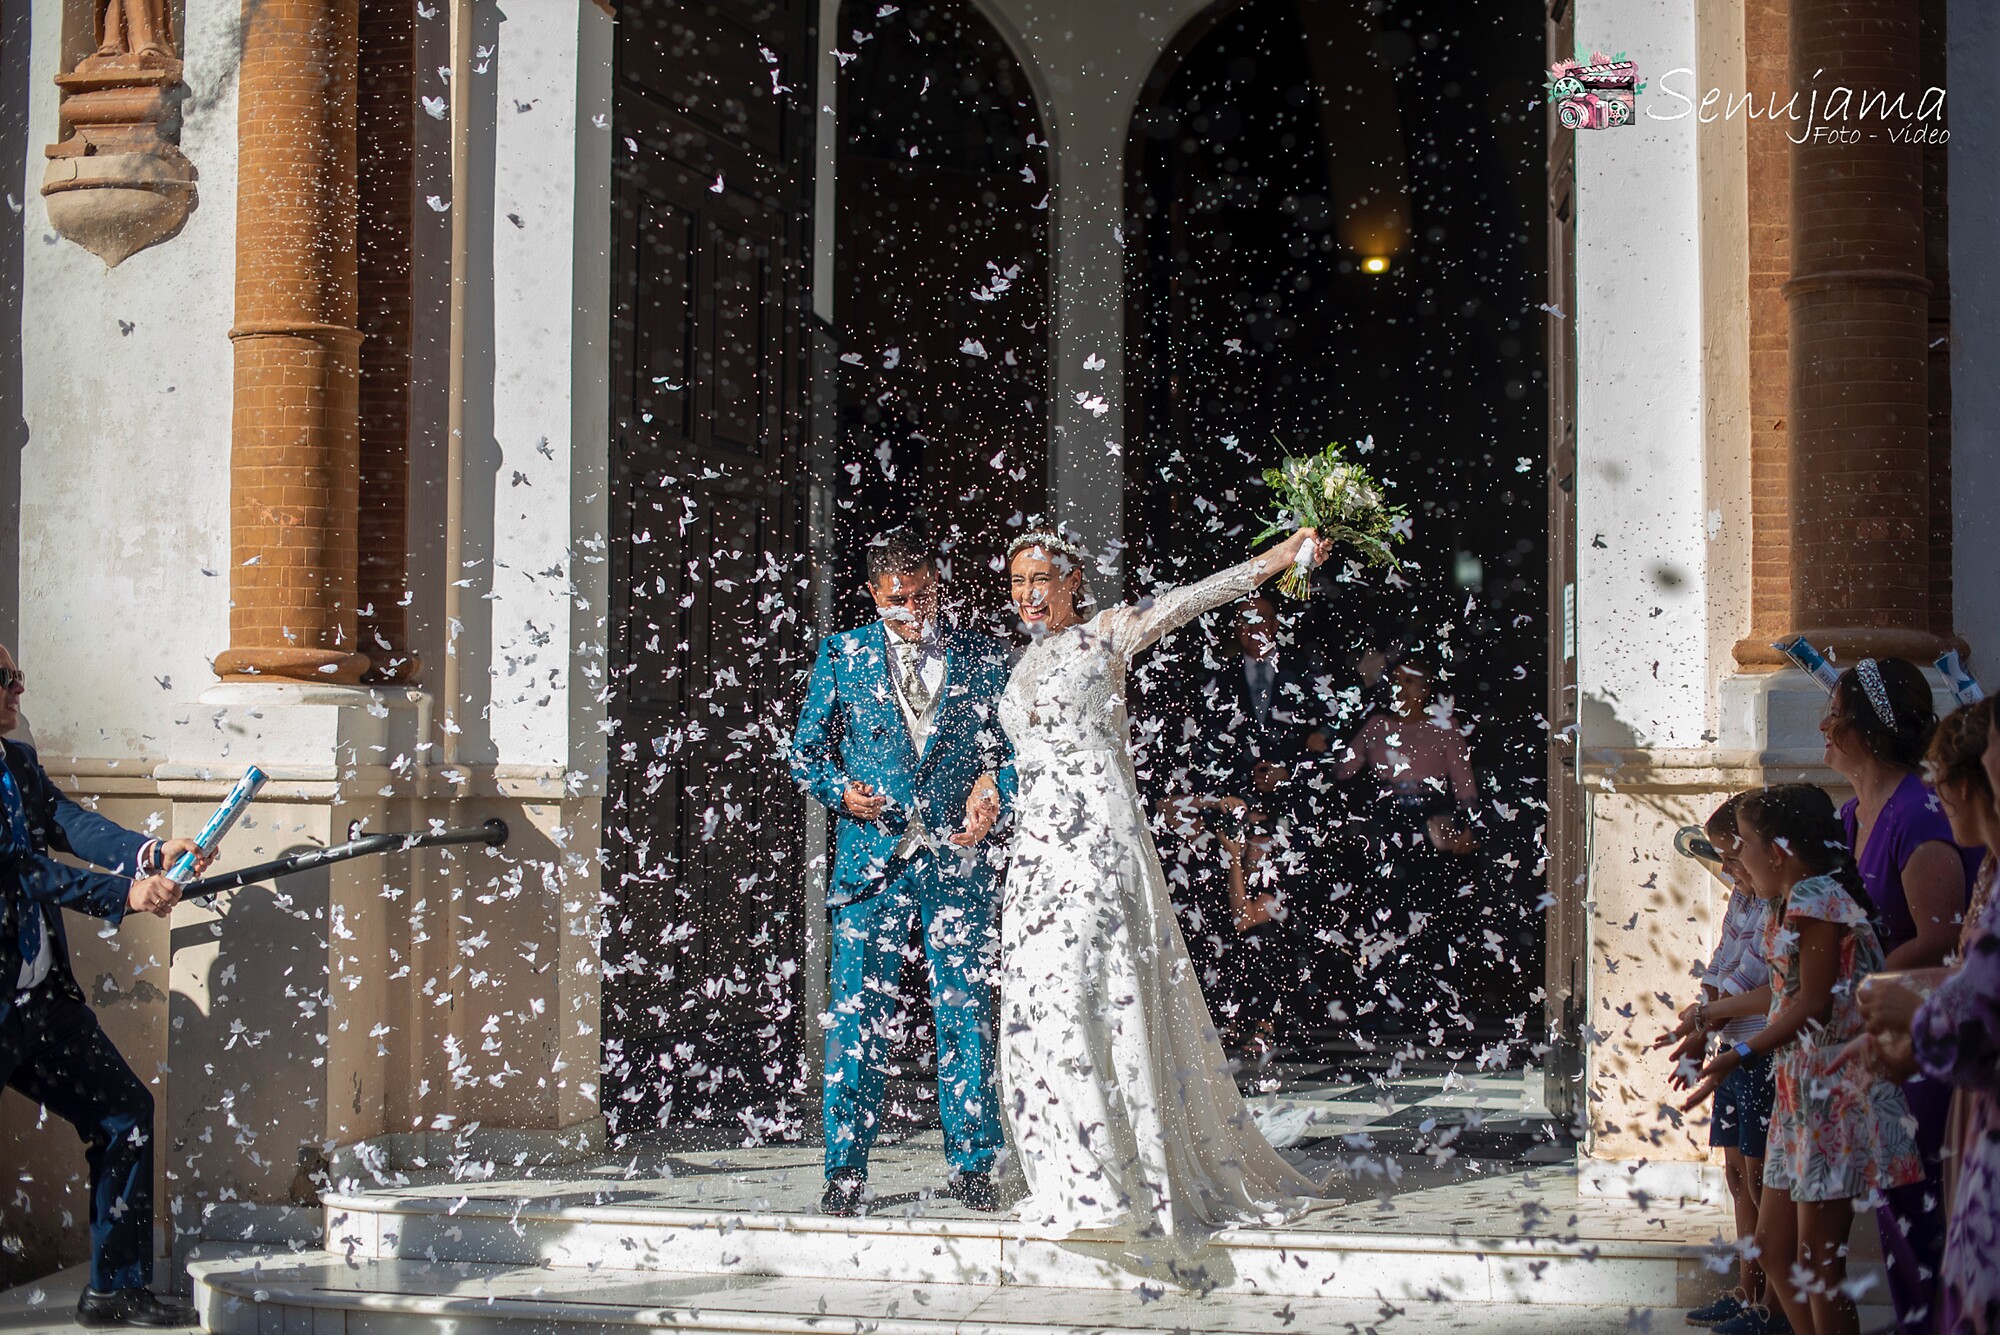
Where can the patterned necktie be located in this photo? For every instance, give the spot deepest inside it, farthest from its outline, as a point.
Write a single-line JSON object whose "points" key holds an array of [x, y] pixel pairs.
{"points": [[30, 924], [1260, 687], [912, 658]]}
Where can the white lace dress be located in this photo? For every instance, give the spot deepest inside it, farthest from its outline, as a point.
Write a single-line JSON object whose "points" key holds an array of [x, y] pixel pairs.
{"points": [[1122, 1109]]}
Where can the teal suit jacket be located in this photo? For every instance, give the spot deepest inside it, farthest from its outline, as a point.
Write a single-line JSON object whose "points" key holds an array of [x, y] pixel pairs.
{"points": [[850, 729]]}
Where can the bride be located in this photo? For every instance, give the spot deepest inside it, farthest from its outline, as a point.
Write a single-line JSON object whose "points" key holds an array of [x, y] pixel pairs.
{"points": [[1124, 1113]]}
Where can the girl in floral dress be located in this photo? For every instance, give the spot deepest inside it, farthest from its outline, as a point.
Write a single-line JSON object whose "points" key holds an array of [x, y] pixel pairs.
{"points": [[1836, 1135]]}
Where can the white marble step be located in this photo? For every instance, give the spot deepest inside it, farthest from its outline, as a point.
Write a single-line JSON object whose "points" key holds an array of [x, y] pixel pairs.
{"points": [[321, 1294], [1360, 1251]]}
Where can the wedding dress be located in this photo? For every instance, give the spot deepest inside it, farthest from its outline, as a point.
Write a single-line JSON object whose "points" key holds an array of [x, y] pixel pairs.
{"points": [[1124, 1114]]}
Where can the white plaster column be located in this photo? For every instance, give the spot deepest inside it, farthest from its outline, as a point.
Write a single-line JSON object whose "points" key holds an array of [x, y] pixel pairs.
{"points": [[1087, 64], [1645, 646]]}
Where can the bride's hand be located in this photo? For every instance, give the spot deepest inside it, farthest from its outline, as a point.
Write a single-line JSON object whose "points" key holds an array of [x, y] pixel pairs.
{"points": [[982, 809], [1299, 541]]}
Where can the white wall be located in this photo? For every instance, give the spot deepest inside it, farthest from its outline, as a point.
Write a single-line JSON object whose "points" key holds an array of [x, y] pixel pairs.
{"points": [[1642, 642], [126, 378], [536, 416], [1973, 77]]}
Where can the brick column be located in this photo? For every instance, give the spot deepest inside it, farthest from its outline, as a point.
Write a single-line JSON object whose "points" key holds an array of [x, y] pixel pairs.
{"points": [[1767, 52], [1859, 309], [294, 469]]}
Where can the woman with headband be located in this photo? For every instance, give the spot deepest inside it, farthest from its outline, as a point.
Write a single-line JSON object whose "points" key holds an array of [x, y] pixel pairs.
{"points": [[1877, 727], [1124, 1111]]}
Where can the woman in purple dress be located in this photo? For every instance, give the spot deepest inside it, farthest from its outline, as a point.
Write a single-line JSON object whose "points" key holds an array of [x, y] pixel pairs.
{"points": [[1955, 1035], [1877, 728]]}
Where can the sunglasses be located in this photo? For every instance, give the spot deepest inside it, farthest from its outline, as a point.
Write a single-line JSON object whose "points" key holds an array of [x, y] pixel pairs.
{"points": [[12, 679]]}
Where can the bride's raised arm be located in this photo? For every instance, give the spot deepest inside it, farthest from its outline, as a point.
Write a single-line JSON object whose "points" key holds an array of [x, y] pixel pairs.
{"points": [[1135, 629]]}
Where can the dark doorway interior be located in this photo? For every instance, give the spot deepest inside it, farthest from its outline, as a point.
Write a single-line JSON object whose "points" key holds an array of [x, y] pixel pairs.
{"points": [[1282, 148], [711, 246], [941, 289]]}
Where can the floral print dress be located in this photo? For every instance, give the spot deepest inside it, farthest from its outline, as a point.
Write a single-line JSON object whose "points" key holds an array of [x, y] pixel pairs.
{"points": [[1956, 1035], [1848, 1133]]}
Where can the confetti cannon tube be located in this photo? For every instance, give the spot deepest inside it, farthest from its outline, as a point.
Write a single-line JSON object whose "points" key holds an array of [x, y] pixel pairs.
{"points": [[219, 824], [1963, 685], [1801, 652]]}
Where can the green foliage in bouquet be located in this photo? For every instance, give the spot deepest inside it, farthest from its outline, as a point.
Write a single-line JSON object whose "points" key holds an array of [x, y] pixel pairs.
{"points": [[1338, 500]]}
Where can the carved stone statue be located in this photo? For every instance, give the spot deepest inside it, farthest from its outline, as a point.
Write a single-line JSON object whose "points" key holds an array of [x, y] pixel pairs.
{"points": [[118, 182], [134, 28]]}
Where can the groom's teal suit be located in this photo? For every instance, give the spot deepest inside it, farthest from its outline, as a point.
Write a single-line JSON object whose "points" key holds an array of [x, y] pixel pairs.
{"points": [[851, 729]]}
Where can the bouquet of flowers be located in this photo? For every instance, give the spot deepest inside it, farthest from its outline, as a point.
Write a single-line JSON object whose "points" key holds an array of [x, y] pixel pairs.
{"points": [[1337, 500]]}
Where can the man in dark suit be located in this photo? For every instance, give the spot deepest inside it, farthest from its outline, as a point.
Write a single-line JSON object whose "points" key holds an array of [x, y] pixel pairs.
{"points": [[1260, 714], [1257, 720], [51, 1047]]}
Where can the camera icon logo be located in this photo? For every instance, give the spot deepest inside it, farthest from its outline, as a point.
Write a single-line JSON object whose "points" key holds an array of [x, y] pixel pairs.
{"points": [[1599, 95]]}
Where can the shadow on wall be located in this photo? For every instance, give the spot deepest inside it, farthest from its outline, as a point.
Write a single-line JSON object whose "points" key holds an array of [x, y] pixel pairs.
{"points": [[16, 42], [258, 1008], [1614, 753], [471, 641]]}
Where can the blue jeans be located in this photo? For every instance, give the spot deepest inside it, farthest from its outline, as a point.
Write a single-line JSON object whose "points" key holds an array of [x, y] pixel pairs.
{"points": [[956, 904]]}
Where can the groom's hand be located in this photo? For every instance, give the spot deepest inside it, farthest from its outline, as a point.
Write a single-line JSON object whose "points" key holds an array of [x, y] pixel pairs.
{"points": [[982, 809], [862, 802]]}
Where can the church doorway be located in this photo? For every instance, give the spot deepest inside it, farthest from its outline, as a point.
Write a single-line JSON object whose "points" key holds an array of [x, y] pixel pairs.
{"points": [[941, 290], [721, 570], [711, 610], [1337, 213]]}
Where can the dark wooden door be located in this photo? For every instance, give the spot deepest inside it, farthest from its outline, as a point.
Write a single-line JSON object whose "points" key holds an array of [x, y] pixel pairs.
{"points": [[1567, 853], [712, 154]]}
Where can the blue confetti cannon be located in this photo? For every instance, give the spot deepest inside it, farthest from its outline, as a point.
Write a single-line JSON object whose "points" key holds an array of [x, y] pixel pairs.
{"points": [[1801, 652], [1963, 685], [219, 824]]}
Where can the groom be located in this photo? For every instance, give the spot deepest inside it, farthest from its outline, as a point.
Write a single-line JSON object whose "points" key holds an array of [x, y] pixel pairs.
{"points": [[899, 739]]}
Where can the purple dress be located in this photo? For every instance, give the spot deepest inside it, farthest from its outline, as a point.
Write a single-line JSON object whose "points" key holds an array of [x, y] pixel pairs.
{"points": [[1956, 1035], [1912, 1220], [1911, 818]]}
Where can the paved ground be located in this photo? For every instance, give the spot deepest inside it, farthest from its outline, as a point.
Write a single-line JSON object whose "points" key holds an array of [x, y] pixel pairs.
{"points": [[1445, 1154]]}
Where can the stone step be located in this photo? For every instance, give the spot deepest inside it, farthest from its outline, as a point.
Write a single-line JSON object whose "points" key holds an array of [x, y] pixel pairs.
{"points": [[1336, 1256], [318, 1293]]}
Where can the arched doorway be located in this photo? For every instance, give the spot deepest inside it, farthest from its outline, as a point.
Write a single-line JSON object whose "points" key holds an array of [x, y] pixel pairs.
{"points": [[1336, 220], [941, 287]]}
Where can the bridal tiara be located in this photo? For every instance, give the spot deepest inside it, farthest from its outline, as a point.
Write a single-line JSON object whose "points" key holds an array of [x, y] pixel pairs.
{"points": [[1047, 541]]}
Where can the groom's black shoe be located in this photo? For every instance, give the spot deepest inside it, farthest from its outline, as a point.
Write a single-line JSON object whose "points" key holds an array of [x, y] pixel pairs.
{"points": [[843, 1192], [973, 1190], [132, 1307]]}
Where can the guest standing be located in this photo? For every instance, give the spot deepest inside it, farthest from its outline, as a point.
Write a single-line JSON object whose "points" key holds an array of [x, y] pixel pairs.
{"points": [[1877, 728], [1952, 1036], [52, 1048], [1836, 1134], [1419, 844]]}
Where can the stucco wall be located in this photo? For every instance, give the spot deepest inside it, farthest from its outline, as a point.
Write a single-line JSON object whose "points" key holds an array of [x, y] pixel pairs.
{"points": [[126, 400]]}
